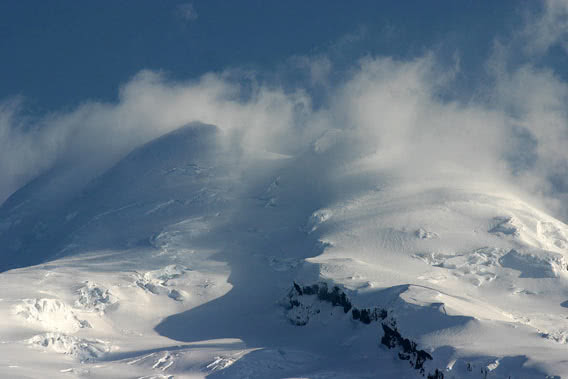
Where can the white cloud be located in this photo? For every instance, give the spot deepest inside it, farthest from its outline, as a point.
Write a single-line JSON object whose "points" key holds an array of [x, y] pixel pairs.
{"points": [[547, 29], [187, 11], [385, 113], [97, 134]]}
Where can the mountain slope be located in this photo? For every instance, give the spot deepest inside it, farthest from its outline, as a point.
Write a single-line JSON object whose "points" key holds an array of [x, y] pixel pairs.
{"points": [[192, 257]]}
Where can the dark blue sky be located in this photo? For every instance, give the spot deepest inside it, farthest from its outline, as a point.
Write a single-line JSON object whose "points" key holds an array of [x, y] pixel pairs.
{"points": [[57, 54]]}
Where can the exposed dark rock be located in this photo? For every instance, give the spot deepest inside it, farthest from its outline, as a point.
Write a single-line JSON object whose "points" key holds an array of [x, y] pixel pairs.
{"points": [[392, 338], [366, 316], [300, 315], [298, 288], [336, 296], [437, 374]]}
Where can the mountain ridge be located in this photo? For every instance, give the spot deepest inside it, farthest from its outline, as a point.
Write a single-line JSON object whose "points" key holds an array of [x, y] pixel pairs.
{"points": [[203, 243]]}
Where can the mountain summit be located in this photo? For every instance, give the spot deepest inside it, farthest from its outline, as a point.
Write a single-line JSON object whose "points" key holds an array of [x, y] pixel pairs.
{"points": [[191, 257]]}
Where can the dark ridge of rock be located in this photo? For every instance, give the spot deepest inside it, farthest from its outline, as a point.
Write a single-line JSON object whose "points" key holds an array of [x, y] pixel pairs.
{"points": [[298, 288], [437, 374], [336, 296], [366, 316], [391, 338]]}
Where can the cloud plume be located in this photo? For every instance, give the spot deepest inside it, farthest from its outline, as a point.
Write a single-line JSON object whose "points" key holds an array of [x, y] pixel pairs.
{"points": [[390, 114]]}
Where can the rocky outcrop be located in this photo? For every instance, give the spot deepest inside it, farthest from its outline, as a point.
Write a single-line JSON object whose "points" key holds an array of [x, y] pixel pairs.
{"points": [[409, 352], [336, 297], [437, 374], [366, 316], [301, 307]]}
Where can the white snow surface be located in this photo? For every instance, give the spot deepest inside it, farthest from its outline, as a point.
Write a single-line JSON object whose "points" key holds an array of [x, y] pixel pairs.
{"points": [[178, 262]]}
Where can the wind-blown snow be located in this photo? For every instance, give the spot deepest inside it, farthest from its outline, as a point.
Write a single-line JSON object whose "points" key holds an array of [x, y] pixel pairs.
{"points": [[174, 265]]}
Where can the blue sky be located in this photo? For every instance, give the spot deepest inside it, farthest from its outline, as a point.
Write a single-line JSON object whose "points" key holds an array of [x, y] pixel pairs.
{"points": [[57, 54]]}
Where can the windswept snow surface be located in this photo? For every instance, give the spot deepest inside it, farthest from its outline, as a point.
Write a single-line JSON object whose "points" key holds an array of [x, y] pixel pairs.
{"points": [[183, 261]]}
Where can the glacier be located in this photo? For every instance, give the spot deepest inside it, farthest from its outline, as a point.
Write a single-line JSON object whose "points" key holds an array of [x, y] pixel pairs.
{"points": [[192, 257]]}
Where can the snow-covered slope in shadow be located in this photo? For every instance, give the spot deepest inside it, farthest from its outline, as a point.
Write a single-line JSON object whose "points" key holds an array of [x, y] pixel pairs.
{"points": [[192, 257], [138, 187]]}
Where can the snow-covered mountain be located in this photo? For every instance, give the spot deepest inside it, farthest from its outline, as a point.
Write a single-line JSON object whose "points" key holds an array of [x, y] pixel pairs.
{"points": [[194, 257]]}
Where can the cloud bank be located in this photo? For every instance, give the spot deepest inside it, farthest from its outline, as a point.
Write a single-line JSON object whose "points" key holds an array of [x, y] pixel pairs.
{"points": [[395, 115]]}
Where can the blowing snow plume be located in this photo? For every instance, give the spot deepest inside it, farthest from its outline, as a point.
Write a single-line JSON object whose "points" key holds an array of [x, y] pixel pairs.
{"points": [[392, 116]]}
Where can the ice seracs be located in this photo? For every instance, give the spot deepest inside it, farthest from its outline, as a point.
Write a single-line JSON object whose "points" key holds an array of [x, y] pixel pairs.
{"points": [[78, 348], [95, 298], [50, 314]]}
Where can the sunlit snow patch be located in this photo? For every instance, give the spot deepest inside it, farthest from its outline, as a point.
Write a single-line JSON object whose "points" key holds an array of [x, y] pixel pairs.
{"points": [[533, 229], [50, 314], [78, 348], [160, 281], [508, 226], [94, 298], [553, 233], [478, 266], [425, 234], [542, 264], [220, 363]]}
